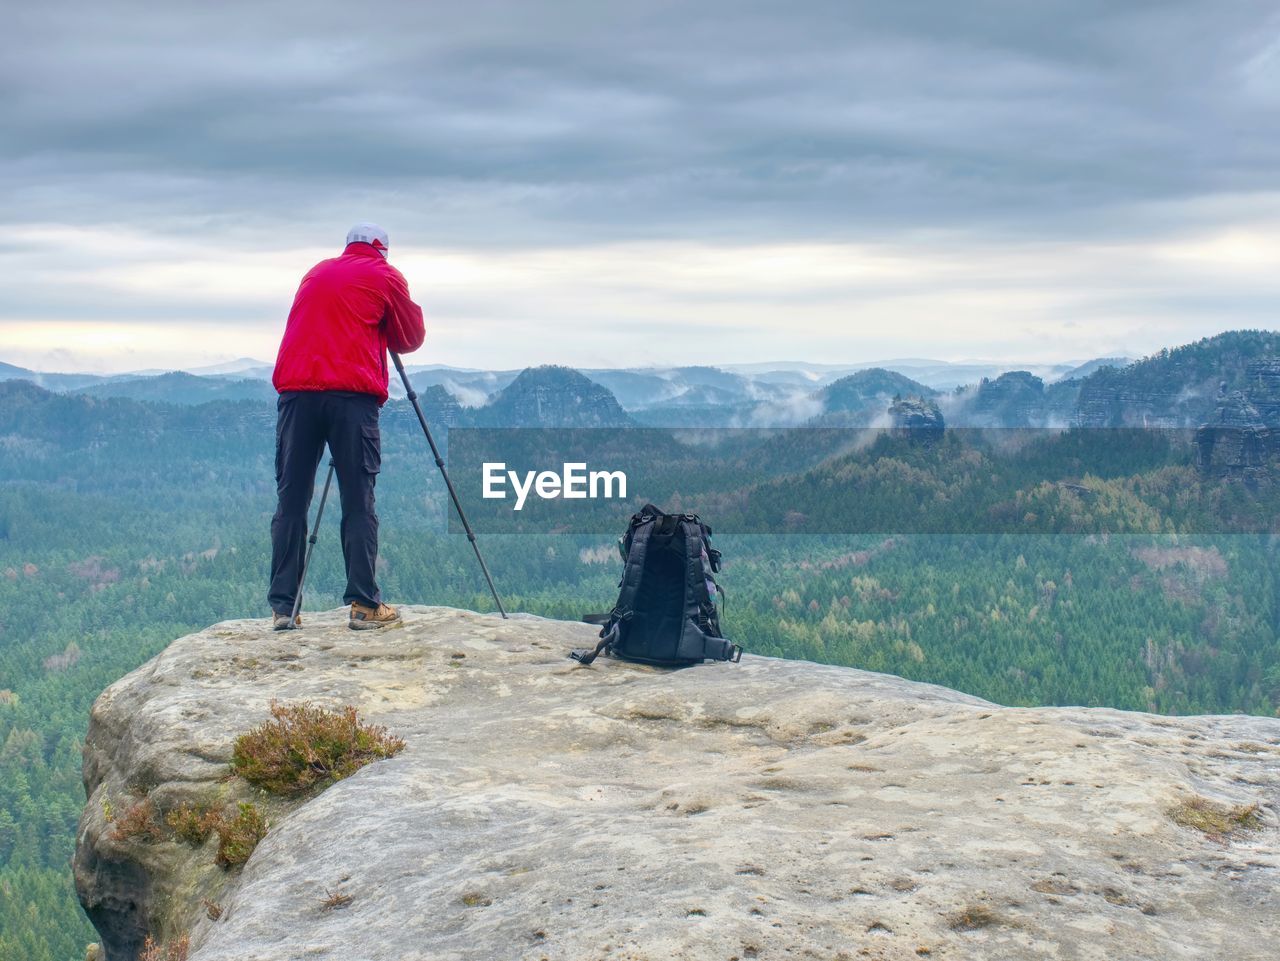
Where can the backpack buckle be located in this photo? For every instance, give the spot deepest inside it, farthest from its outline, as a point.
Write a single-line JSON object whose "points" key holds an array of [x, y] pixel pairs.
{"points": [[735, 654]]}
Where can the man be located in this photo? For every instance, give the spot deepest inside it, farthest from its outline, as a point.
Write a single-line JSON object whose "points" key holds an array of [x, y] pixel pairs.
{"points": [[331, 374]]}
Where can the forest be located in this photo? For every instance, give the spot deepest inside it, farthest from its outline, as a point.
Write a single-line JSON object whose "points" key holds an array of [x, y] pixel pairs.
{"points": [[125, 524]]}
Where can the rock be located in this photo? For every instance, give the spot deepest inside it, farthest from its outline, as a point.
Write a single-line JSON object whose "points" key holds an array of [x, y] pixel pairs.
{"points": [[1014, 399], [1115, 398], [1263, 389], [916, 418], [1236, 443], [1242, 438], [770, 809], [1181, 388]]}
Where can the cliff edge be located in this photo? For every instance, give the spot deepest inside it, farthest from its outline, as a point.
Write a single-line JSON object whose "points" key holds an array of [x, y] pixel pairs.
{"points": [[770, 809]]}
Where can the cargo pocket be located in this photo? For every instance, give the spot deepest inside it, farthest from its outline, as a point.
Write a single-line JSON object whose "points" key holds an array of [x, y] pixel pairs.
{"points": [[279, 452], [282, 402], [371, 446]]}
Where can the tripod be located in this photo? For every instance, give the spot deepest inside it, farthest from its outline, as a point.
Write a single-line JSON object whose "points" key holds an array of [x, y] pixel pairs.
{"points": [[435, 452]]}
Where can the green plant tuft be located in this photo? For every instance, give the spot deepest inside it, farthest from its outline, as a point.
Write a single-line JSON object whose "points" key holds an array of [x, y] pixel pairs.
{"points": [[138, 823], [974, 917], [1214, 819], [192, 824], [304, 745], [238, 836]]}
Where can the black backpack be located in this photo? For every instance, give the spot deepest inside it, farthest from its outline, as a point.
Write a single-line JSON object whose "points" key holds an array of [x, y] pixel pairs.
{"points": [[666, 610]]}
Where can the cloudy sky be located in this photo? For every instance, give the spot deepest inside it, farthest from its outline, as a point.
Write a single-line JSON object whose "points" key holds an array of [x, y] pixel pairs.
{"points": [[610, 184]]}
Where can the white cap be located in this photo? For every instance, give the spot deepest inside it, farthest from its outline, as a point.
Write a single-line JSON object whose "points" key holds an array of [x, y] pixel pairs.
{"points": [[372, 234]]}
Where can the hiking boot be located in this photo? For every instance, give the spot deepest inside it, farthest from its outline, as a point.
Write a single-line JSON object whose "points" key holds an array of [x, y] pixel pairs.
{"points": [[366, 618], [280, 622]]}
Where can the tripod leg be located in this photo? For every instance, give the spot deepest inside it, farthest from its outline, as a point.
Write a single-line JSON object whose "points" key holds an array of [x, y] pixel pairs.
{"points": [[311, 546], [435, 451]]}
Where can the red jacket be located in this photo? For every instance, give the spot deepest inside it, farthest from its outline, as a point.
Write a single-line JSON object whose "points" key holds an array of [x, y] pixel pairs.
{"points": [[348, 311]]}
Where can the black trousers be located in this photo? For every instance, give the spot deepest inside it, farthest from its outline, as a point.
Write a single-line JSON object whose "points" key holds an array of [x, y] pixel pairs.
{"points": [[348, 423]]}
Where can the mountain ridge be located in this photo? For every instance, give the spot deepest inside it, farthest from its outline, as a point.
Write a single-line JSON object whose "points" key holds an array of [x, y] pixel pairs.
{"points": [[1174, 387]]}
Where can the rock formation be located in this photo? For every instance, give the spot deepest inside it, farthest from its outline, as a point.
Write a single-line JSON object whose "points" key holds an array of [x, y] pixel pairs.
{"points": [[1179, 388], [1242, 439], [1236, 443], [770, 809], [1106, 400], [916, 418], [1014, 399], [1262, 383]]}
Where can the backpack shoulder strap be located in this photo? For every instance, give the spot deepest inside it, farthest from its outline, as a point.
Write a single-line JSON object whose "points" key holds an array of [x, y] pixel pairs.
{"points": [[701, 645], [695, 581], [632, 574], [585, 655]]}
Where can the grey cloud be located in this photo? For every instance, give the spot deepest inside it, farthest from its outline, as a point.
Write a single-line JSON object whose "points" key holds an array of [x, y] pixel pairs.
{"points": [[517, 123]]}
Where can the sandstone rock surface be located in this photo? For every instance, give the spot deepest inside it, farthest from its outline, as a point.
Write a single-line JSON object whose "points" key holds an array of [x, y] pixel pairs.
{"points": [[770, 809]]}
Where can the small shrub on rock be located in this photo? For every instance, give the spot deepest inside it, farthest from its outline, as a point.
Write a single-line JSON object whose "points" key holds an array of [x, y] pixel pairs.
{"points": [[304, 745], [192, 824], [138, 822], [974, 917], [173, 951], [1213, 819], [333, 900], [238, 836]]}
